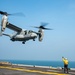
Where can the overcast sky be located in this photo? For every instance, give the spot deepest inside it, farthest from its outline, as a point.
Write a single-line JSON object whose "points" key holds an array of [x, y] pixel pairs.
{"points": [[60, 14]]}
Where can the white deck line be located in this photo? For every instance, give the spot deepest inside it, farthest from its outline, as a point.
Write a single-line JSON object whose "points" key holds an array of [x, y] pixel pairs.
{"points": [[41, 66]]}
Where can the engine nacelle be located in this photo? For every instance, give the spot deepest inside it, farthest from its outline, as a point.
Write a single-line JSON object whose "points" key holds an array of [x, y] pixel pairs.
{"points": [[41, 34], [4, 22]]}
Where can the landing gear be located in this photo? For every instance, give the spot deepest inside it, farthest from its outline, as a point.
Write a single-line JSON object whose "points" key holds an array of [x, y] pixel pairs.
{"points": [[33, 39], [23, 42], [13, 39]]}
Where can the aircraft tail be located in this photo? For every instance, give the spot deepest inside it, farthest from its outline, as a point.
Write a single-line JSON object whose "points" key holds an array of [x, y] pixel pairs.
{"points": [[6, 34]]}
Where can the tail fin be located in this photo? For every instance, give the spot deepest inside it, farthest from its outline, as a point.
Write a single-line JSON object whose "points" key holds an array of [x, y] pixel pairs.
{"points": [[6, 34]]}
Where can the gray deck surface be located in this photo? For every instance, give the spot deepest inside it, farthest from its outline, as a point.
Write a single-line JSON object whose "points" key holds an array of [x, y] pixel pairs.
{"points": [[27, 70]]}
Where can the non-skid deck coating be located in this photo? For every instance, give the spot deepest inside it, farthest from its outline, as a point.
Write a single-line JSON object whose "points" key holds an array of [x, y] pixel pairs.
{"points": [[24, 70]]}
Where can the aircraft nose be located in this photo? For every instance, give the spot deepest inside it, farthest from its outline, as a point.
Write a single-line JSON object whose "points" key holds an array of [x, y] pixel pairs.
{"points": [[34, 35]]}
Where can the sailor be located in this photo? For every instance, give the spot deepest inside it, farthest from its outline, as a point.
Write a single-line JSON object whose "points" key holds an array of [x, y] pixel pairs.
{"points": [[65, 61]]}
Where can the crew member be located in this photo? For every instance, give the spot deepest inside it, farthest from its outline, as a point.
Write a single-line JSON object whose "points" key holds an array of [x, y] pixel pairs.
{"points": [[65, 61]]}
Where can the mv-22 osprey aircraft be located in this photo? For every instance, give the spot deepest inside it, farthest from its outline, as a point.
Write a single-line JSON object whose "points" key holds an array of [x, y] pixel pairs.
{"points": [[21, 34]]}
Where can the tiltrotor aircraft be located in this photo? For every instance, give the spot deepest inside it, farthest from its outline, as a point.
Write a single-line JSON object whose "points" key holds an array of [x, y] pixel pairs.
{"points": [[21, 34]]}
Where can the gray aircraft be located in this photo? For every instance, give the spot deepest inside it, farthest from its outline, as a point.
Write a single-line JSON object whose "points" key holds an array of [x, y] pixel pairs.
{"points": [[4, 20], [21, 34]]}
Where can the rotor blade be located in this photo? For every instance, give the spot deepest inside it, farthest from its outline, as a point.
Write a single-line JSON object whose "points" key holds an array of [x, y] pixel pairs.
{"points": [[44, 24], [34, 27], [17, 14], [48, 29], [3, 13], [13, 14], [42, 28]]}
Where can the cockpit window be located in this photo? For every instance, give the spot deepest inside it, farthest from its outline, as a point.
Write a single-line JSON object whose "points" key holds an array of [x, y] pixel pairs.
{"points": [[30, 31], [25, 32]]}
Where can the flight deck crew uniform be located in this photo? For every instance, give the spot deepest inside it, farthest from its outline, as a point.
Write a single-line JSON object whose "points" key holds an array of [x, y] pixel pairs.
{"points": [[65, 60]]}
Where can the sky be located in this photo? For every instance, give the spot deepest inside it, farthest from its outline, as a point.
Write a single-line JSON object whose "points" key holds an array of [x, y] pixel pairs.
{"points": [[60, 14]]}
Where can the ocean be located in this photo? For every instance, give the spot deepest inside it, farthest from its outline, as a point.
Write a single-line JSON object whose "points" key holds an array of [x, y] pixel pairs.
{"points": [[41, 63]]}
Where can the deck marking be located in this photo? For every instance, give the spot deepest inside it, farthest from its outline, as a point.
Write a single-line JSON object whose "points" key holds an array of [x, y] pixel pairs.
{"points": [[35, 71]]}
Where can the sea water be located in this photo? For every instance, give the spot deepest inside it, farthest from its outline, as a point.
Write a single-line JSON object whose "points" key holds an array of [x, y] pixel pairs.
{"points": [[41, 63]]}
